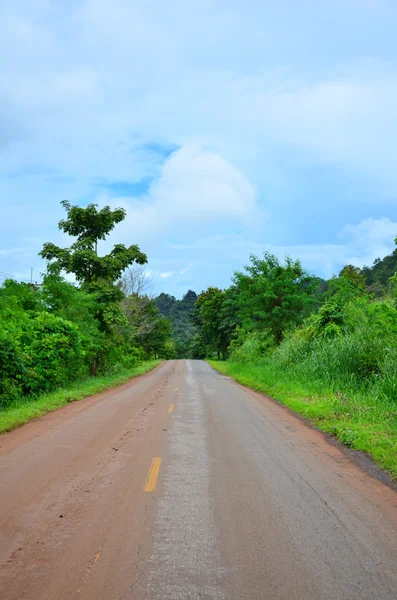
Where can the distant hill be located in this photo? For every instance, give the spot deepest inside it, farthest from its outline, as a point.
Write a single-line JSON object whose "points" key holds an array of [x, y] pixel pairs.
{"points": [[179, 311]]}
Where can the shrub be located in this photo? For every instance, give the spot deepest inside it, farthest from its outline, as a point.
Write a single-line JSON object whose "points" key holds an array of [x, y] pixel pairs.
{"points": [[255, 346], [53, 353], [12, 368]]}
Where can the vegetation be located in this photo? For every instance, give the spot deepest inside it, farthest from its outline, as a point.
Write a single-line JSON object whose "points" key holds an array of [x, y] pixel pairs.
{"points": [[58, 333], [326, 349], [25, 409], [179, 312]]}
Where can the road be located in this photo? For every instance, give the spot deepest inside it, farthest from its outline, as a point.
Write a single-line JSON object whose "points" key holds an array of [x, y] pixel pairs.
{"points": [[182, 484]]}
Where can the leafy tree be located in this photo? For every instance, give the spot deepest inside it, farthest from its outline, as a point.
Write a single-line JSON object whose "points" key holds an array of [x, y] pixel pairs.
{"points": [[350, 284], [180, 313], [90, 225], [148, 328], [165, 304], [272, 296], [97, 275], [208, 316], [67, 301], [197, 348], [377, 277]]}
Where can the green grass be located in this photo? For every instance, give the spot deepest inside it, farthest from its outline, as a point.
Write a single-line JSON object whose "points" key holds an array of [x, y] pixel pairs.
{"points": [[359, 419], [26, 409]]}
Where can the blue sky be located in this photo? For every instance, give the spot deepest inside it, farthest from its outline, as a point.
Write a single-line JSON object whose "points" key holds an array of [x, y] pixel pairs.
{"points": [[223, 127]]}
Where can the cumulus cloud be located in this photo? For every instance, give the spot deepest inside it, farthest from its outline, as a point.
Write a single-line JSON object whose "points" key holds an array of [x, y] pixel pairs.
{"points": [[195, 189]]}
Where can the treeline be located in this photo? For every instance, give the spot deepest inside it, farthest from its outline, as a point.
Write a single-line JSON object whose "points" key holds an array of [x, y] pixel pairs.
{"points": [[60, 332], [180, 313], [340, 333]]}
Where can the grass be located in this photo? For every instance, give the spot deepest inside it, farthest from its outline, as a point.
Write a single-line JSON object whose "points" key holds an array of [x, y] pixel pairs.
{"points": [[358, 419], [26, 409]]}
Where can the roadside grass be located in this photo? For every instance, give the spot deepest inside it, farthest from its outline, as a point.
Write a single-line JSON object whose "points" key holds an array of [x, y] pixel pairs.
{"points": [[357, 418], [28, 408]]}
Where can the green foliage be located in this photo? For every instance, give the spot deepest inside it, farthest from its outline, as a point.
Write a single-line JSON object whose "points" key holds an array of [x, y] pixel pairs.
{"points": [[23, 409], [12, 368], [53, 351], [59, 332], [250, 347], [359, 419], [197, 347], [327, 349], [377, 277], [180, 313], [348, 286], [97, 275], [272, 297], [89, 226], [209, 316]]}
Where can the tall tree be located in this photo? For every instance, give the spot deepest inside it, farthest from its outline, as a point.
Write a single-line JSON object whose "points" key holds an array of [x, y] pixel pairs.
{"points": [[209, 317], [89, 225], [97, 275], [272, 296]]}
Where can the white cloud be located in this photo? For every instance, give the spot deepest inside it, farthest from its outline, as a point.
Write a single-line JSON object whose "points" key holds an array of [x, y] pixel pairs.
{"points": [[201, 184], [166, 275], [196, 189], [84, 86]]}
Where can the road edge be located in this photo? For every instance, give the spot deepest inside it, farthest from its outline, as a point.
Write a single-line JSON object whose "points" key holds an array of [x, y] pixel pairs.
{"points": [[363, 460], [32, 409]]}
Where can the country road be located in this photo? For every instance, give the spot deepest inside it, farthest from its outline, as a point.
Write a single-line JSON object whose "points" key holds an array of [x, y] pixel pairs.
{"points": [[182, 484]]}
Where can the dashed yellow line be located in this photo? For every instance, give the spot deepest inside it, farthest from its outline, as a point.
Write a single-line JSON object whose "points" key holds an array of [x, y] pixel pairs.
{"points": [[151, 480], [171, 408]]}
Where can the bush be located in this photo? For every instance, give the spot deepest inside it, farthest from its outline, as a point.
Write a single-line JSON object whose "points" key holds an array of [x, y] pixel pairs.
{"points": [[253, 346], [12, 368], [53, 353]]}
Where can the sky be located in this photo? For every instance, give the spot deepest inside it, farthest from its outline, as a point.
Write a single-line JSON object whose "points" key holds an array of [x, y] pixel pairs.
{"points": [[223, 127]]}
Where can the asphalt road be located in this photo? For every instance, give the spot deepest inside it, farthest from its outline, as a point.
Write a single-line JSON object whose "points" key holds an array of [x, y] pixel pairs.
{"points": [[184, 485]]}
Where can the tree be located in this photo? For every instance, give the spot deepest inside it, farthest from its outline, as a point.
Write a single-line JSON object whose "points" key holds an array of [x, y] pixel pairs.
{"points": [[350, 284], [377, 277], [180, 313], [90, 225], [165, 304], [97, 275], [272, 296], [208, 317]]}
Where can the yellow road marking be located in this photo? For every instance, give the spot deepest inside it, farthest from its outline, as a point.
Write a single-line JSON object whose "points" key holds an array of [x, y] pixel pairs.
{"points": [[151, 480], [88, 572], [171, 408]]}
